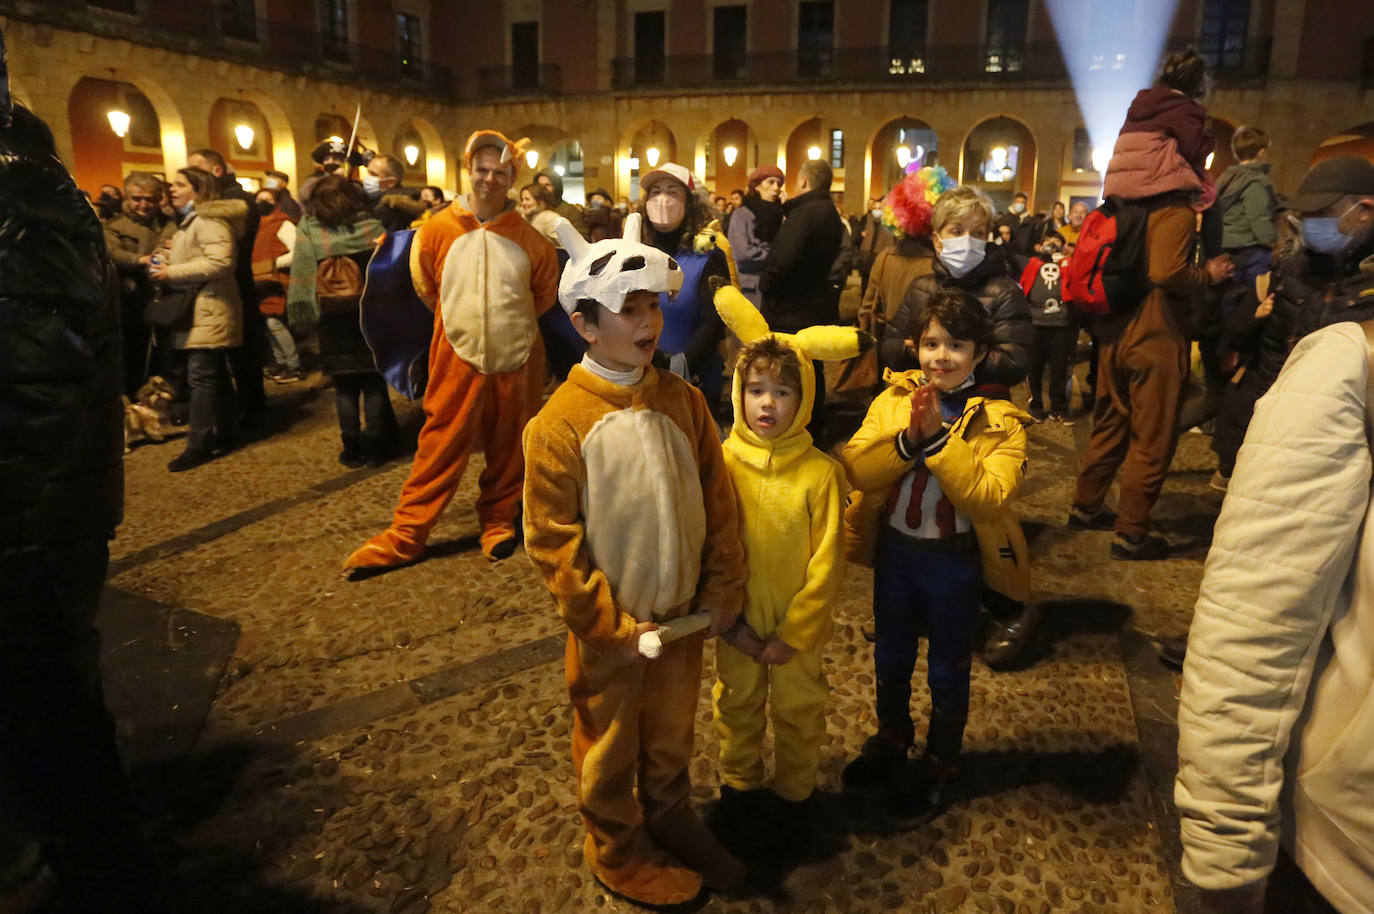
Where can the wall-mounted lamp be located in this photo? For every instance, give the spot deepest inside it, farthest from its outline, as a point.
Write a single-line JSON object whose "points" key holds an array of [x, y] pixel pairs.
{"points": [[412, 153], [903, 156], [651, 154], [244, 134], [730, 153], [1100, 158], [119, 122], [813, 153], [532, 158]]}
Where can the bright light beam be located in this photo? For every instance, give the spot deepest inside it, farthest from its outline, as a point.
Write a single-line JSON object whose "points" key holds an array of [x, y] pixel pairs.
{"points": [[1108, 68]]}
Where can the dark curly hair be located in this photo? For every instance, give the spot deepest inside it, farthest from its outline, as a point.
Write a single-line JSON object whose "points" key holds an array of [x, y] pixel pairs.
{"points": [[959, 313]]}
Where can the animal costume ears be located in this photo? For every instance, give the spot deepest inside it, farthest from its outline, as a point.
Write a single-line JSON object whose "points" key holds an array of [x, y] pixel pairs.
{"points": [[827, 343], [510, 149], [612, 268]]}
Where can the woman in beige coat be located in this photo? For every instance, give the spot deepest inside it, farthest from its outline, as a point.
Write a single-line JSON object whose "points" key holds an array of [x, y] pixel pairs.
{"points": [[202, 254]]}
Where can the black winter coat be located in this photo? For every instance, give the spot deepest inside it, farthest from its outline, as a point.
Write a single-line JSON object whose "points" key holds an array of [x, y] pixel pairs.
{"points": [[61, 419], [795, 281], [231, 189], [991, 283]]}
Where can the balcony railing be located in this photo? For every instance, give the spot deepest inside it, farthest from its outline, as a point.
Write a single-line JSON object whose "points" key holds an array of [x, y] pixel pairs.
{"points": [[227, 35], [1033, 61], [544, 79]]}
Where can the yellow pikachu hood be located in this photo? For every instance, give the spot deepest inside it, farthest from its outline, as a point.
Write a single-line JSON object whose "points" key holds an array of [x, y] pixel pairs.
{"points": [[813, 343]]}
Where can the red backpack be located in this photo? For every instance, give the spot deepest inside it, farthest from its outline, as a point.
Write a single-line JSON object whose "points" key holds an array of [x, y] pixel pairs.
{"points": [[1107, 273]]}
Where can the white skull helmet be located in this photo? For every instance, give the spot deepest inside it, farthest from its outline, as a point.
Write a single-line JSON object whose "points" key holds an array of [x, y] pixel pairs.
{"points": [[612, 268]]}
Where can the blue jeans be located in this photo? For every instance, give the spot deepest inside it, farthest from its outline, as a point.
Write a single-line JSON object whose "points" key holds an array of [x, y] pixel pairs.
{"points": [[925, 592]]}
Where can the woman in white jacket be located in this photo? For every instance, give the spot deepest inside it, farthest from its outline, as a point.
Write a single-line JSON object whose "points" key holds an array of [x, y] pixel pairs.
{"points": [[1276, 716]]}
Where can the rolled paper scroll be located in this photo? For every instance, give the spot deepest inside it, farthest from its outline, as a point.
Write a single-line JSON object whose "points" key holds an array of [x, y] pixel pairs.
{"points": [[651, 643]]}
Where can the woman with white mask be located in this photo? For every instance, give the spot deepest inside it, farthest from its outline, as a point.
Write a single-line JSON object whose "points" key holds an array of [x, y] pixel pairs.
{"points": [[965, 260], [676, 220]]}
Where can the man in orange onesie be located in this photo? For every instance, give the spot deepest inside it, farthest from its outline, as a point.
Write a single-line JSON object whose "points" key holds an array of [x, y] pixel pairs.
{"points": [[487, 275]]}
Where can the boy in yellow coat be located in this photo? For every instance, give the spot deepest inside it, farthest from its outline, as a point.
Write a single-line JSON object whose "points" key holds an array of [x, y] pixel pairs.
{"points": [[791, 498], [936, 464]]}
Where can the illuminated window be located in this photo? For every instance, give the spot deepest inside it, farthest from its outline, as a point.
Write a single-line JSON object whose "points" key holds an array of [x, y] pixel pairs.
{"points": [[1006, 36], [999, 164], [837, 149], [906, 37]]}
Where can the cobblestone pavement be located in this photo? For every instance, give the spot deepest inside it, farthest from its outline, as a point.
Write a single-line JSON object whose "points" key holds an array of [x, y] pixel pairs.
{"points": [[401, 743]]}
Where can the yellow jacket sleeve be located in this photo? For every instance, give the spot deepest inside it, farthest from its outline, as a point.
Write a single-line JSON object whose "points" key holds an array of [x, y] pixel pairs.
{"points": [[807, 622], [981, 488], [554, 534], [722, 555], [870, 459]]}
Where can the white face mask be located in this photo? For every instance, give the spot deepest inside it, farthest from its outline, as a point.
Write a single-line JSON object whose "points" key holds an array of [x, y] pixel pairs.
{"points": [[960, 255], [664, 212], [273, 183], [877, 212], [372, 184], [1018, 207]]}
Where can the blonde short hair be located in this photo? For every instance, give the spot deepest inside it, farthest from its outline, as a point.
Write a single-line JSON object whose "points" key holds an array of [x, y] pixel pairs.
{"points": [[957, 204]]}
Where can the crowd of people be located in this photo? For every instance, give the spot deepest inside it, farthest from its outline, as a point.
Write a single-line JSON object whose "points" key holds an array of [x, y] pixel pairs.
{"points": [[959, 306]]}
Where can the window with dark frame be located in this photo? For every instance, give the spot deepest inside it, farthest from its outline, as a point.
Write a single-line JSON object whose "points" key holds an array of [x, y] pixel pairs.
{"points": [[815, 38], [906, 37], [334, 29], [1224, 27], [524, 55], [1082, 151], [408, 40], [1006, 36], [238, 19], [836, 149], [650, 33], [729, 42]]}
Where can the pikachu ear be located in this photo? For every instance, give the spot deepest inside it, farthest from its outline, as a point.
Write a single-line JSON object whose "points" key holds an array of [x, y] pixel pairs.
{"points": [[830, 344], [740, 315]]}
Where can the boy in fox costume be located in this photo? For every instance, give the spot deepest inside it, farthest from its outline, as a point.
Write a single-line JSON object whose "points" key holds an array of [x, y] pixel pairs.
{"points": [[630, 519], [487, 275]]}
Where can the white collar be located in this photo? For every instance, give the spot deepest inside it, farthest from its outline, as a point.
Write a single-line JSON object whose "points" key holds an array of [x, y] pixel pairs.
{"points": [[623, 378]]}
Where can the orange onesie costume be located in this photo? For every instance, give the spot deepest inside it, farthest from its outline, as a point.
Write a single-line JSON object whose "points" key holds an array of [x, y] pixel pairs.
{"points": [[487, 283]]}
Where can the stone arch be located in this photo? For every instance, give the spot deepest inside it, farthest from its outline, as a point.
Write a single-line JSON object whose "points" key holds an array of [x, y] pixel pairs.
{"points": [[224, 119], [1016, 140], [803, 132], [99, 155], [711, 153], [634, 143], [882, 167], [435, 153], [1354, 141], [171, 125], [284, 150]]}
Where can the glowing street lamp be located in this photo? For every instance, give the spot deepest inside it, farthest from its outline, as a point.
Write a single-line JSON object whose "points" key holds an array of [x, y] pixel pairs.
{"points": [[560, 170], [813, 153], [903, 156], [532, 158], [730, 153], [651, 154], [412, 153], [244, 134], [1100, 159], [119, 122]]}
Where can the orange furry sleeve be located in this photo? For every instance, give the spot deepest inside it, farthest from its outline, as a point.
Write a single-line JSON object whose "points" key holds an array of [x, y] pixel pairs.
{"points": [[554, 533]]}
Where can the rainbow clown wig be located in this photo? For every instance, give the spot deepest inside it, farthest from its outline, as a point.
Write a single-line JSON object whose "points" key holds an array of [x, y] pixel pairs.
{"points": [[907, 207]]}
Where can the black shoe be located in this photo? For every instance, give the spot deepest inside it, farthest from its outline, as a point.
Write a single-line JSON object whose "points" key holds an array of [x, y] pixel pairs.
{"points": [[1009, 638], [222, 444], [1172, 651], [190, 459], [286, 376], [378, 449], [503, 550], [921, 796], [878, 767], [352, 454], [1101, 518], [1143, 548], [1037, 411]]}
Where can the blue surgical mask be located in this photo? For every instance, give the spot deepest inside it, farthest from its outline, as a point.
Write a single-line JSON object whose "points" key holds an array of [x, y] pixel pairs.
{"points": [[1324, 235], [372, 185], [1018, 207], [185, 210], [960, 255]]}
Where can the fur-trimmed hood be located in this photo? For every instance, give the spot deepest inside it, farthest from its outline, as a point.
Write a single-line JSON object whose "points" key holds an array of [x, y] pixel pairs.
{"points": [[232, 212]]}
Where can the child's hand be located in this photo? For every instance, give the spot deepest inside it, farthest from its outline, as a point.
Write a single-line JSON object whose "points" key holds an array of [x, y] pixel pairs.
{"points": [[925, 419], [630, 654], [742, 637], [775, 652], [1265, 308], [720, 622]]}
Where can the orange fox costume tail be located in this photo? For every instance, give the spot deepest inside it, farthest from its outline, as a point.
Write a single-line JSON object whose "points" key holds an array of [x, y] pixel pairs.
{"points": [[487, 283]]}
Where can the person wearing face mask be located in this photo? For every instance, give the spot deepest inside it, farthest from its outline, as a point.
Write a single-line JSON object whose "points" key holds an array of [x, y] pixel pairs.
{"points": [[874, 238], [394, 205], [330, 156], [692, 330], [603, 220], [965, 260], [753, 226], [272, 251], [278, 181], [132, 237]]}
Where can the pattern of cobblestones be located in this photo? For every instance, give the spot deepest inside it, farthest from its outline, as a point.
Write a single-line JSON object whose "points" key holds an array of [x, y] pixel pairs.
{"points": [[467, 803]]}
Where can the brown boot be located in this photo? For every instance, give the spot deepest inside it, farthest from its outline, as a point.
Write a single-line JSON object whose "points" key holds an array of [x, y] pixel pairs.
{"points": [[683, 834], [649, 877]]}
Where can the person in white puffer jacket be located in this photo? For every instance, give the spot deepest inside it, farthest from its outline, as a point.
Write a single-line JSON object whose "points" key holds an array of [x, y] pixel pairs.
{"points": [[1276, 715]]}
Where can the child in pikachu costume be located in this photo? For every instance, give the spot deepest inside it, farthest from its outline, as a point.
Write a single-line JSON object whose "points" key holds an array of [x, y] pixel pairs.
{"points": [[630, 520], [791, 502], [487, 282]]}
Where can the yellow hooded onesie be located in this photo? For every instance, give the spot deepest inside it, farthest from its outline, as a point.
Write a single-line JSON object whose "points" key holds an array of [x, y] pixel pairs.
{"points": [[791, 501]]}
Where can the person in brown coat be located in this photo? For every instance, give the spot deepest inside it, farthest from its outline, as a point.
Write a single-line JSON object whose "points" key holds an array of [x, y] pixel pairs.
{"points": [[132, 236], [203, 254]]}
